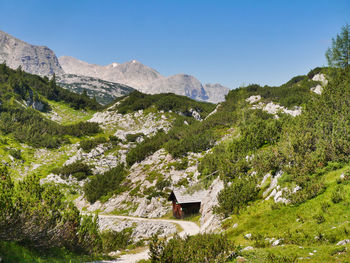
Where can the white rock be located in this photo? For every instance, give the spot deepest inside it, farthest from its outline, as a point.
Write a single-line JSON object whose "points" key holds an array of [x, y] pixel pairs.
{"points": [[273, 184], [266, 176], [253, 99], [343, 242], [247, 248], [320, 77], [317, 89], [248, 236], [210, 221], [295, 189], [276, 242]]}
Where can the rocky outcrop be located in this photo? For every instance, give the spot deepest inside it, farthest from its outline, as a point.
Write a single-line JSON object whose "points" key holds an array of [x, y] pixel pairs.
{"points": [[210, 221], [319, 87], [38, 60], [271, 107], [136, 122], [141, 229]]}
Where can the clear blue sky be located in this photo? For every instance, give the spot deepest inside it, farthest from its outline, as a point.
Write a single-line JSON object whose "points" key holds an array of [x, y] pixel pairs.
{"points": [[230, 42]]}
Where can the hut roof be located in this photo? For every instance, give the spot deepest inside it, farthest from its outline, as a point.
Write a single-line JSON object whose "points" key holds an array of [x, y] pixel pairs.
{"points": [[184, 198]]}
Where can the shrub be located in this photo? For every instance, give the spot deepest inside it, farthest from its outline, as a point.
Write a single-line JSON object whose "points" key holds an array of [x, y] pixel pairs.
{"points": [[182, 165], [105, 184], [38, 216], [114, 140], [15, 153], [236, 196], [132, 137], [152, 191], [77, 169], [310, 188], [324, 206], [260, 240], [319, 218], [196, 249], [88, 145], [182, 182], [338, 194], [161, 184], [113, 240]]}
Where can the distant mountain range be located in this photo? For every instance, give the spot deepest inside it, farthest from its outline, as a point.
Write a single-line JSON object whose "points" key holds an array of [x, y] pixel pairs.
{"points": [[103, 82]]}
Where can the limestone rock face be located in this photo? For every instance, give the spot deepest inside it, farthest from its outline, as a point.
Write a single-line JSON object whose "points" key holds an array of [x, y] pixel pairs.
{"points": [[216, 92], [210, 221], [33, 59]]}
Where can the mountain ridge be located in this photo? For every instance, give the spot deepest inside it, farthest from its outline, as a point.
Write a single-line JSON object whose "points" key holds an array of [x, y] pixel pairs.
{"points": [[34, 59], [145, 79]]}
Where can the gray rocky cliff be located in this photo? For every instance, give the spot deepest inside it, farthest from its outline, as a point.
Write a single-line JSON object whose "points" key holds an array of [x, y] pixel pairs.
{"points": [[33, 59]]}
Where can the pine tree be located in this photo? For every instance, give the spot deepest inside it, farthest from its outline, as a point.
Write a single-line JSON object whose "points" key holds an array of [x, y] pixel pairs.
{"points": [[339, 54]]}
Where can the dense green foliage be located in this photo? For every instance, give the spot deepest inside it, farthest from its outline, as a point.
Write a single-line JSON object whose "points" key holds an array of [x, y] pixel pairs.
{"points": [[113, 241], [303, 147], [200, 248], [33, 88], [21, 92], [339, 54], [11, 252], [36, 216], [236, 196], [29, 126], [255, 127], [78, 170], [106, 184]]}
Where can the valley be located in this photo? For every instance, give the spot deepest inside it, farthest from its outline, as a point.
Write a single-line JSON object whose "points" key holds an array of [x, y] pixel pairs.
{"points": [[118, 163]]}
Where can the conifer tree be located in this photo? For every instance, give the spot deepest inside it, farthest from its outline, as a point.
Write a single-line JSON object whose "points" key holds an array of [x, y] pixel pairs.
{"points": [[339, 54]]}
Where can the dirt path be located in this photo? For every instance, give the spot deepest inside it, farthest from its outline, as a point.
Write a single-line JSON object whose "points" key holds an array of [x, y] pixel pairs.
{"points": [[189, 228]]}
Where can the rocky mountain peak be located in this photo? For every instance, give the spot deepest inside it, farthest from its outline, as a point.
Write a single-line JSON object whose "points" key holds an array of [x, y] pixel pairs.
{"points": [[38, 60]]}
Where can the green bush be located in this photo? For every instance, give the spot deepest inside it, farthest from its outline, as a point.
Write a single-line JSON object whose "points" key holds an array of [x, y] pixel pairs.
{"points": [[114, 140], [38, 216], [236, 196], [108, 183], [196, 249], [161, 184], [113, 241], [88, 145], [338, 194], [15, 153], [167, 101], [182, 165], [131, 137], [77, 169], [310, 188], [319, 218]]}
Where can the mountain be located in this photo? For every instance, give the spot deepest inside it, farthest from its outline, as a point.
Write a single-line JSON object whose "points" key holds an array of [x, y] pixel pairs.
{"points": [[111, 81], [39, 60], [104, 91], [146, 79]]}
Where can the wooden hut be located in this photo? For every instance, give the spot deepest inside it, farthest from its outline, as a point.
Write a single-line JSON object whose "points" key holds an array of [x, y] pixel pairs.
{"points": [[185, 204]]}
